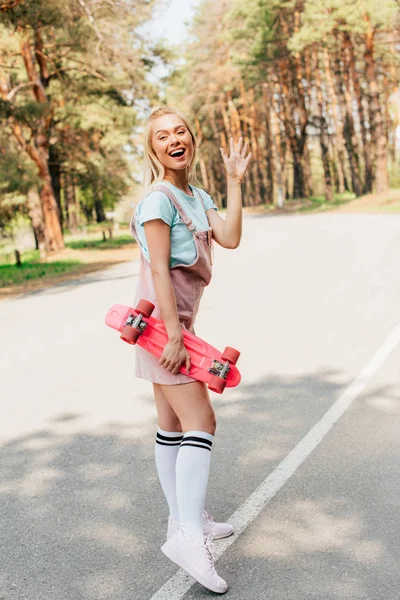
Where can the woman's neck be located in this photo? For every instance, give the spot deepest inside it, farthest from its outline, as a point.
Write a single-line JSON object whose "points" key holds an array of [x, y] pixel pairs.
{"points": [[179, 179]]}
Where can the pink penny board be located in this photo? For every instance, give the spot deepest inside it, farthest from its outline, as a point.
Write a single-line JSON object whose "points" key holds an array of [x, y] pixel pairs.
{"points": [[154, 338]]}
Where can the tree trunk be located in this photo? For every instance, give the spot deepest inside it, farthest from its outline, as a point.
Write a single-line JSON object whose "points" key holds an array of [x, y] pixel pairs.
{"points": [[377, 129], [99, 209], [276, 145], [296, 145], [55, 174], [225, 119], [308, 184], [54, 238], [301, 109], [338, 126], [214, 192], [71, 204], [323, 136], [296, 99], [38, 152], [351, 61], [253, 120], [203, 171], [267, 150], [35, 214], [348, 128], [234, 119], [98, 204]]}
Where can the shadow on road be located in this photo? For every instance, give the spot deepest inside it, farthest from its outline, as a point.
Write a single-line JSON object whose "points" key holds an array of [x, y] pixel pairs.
{"points": [[82, 516]]}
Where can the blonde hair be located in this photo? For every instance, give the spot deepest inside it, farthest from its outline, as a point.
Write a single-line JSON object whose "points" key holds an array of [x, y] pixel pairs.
{"points": [[154, 170]]}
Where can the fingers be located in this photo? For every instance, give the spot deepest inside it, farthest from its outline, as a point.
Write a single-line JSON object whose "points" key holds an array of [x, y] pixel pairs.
{"points": [[174, 364], [224, 155], [239, 158], [232, 146], [171, 366], [240, 147], [164, 363]]}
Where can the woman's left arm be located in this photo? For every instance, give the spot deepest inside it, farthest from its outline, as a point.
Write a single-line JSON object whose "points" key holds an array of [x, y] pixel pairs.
{"points": [[228, 232]]}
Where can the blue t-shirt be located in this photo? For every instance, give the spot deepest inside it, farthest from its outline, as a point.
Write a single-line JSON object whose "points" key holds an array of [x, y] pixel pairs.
{"points": [[158, 206]]}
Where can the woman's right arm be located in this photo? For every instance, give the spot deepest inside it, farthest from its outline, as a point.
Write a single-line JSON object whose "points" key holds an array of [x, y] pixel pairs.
{"points": [[158, 236]]}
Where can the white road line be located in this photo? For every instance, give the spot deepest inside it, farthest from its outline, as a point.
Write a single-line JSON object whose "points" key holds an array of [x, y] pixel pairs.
{"points": [[177, 586]]}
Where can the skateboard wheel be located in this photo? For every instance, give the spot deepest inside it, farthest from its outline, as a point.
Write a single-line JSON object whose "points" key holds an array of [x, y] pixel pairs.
{"points": [[231, 355], [145, 307], [216, 384], [130, 335]]}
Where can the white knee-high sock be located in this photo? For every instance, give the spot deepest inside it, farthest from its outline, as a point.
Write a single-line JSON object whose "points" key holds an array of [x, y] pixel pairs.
{"points": [[166, 450], [192, 469]]}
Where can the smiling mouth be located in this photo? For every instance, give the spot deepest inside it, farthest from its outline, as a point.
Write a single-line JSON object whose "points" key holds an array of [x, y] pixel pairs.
{"points": [[178, 153]]}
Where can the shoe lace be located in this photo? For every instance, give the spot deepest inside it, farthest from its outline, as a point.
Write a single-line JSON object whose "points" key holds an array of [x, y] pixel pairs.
{"points": [[209, 548], [207, 517]]}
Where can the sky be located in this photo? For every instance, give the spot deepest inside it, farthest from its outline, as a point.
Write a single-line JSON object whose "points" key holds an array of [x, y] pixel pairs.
{"points": [[170, 19]]}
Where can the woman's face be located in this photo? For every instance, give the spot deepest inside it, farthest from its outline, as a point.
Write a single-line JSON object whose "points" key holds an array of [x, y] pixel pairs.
{"points": [[172, 142]]}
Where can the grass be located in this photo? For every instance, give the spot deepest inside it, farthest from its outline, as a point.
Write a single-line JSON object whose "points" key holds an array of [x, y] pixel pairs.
{"points": [[301, 205], [319, 203], [109, 244], [31, 270], [347, 202], [8, 258]]}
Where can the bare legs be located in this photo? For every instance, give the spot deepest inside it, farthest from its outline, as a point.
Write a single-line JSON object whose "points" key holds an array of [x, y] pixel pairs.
{"points": [[184, 407]]}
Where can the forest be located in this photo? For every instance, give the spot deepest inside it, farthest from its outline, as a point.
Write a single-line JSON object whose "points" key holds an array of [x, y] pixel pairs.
{"points": [[313, 86]]}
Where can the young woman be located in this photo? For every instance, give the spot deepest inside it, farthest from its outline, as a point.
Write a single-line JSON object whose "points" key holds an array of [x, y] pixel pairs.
{"points": [[175, 225]]}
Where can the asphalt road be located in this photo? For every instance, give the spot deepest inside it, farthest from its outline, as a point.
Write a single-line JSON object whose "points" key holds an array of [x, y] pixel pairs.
{"points": [[309, 300]]}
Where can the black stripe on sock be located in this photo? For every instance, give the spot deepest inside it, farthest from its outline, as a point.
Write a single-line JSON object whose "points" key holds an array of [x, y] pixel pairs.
{"points": [[165, 444], [169, 439], [196, 439], [196, 446]]}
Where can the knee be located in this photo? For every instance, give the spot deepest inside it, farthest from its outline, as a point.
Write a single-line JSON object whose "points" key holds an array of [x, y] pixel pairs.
{"points": [[205, 421], [171, 423], [213, 424], [210, 422]]}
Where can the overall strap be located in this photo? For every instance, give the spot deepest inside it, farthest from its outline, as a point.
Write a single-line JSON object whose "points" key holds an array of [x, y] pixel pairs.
{"points": [[205, 210], [165, 190], [201, 198]]}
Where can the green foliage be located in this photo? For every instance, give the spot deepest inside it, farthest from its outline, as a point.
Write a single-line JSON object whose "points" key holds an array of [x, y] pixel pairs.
{"points": [[109, 244], [319, 203], [320, 18], [17, 176], [254, 27], [93, 66], [8, 257], [29, 271], [291, 77]]}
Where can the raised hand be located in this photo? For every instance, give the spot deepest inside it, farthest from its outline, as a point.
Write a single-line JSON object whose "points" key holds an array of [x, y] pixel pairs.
{"points": [[237, 163]]}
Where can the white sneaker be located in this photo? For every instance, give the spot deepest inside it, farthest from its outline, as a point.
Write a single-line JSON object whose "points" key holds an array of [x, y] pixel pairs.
{"points": [[219, 530], [196, 558]]}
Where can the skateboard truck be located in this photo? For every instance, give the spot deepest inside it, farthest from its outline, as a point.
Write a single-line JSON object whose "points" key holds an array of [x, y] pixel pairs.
{"points": [[135, 324], [219, 369]]}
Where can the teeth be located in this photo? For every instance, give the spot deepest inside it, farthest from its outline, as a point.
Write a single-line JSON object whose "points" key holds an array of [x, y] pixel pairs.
{"points": [[177, 153]]}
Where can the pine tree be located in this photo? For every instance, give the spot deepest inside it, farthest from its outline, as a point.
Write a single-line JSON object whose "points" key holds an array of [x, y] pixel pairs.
{"points": [[71, 72]]}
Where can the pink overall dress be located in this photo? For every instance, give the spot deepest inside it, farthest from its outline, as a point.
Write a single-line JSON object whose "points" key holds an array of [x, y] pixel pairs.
{"points": [[188, 281]]}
